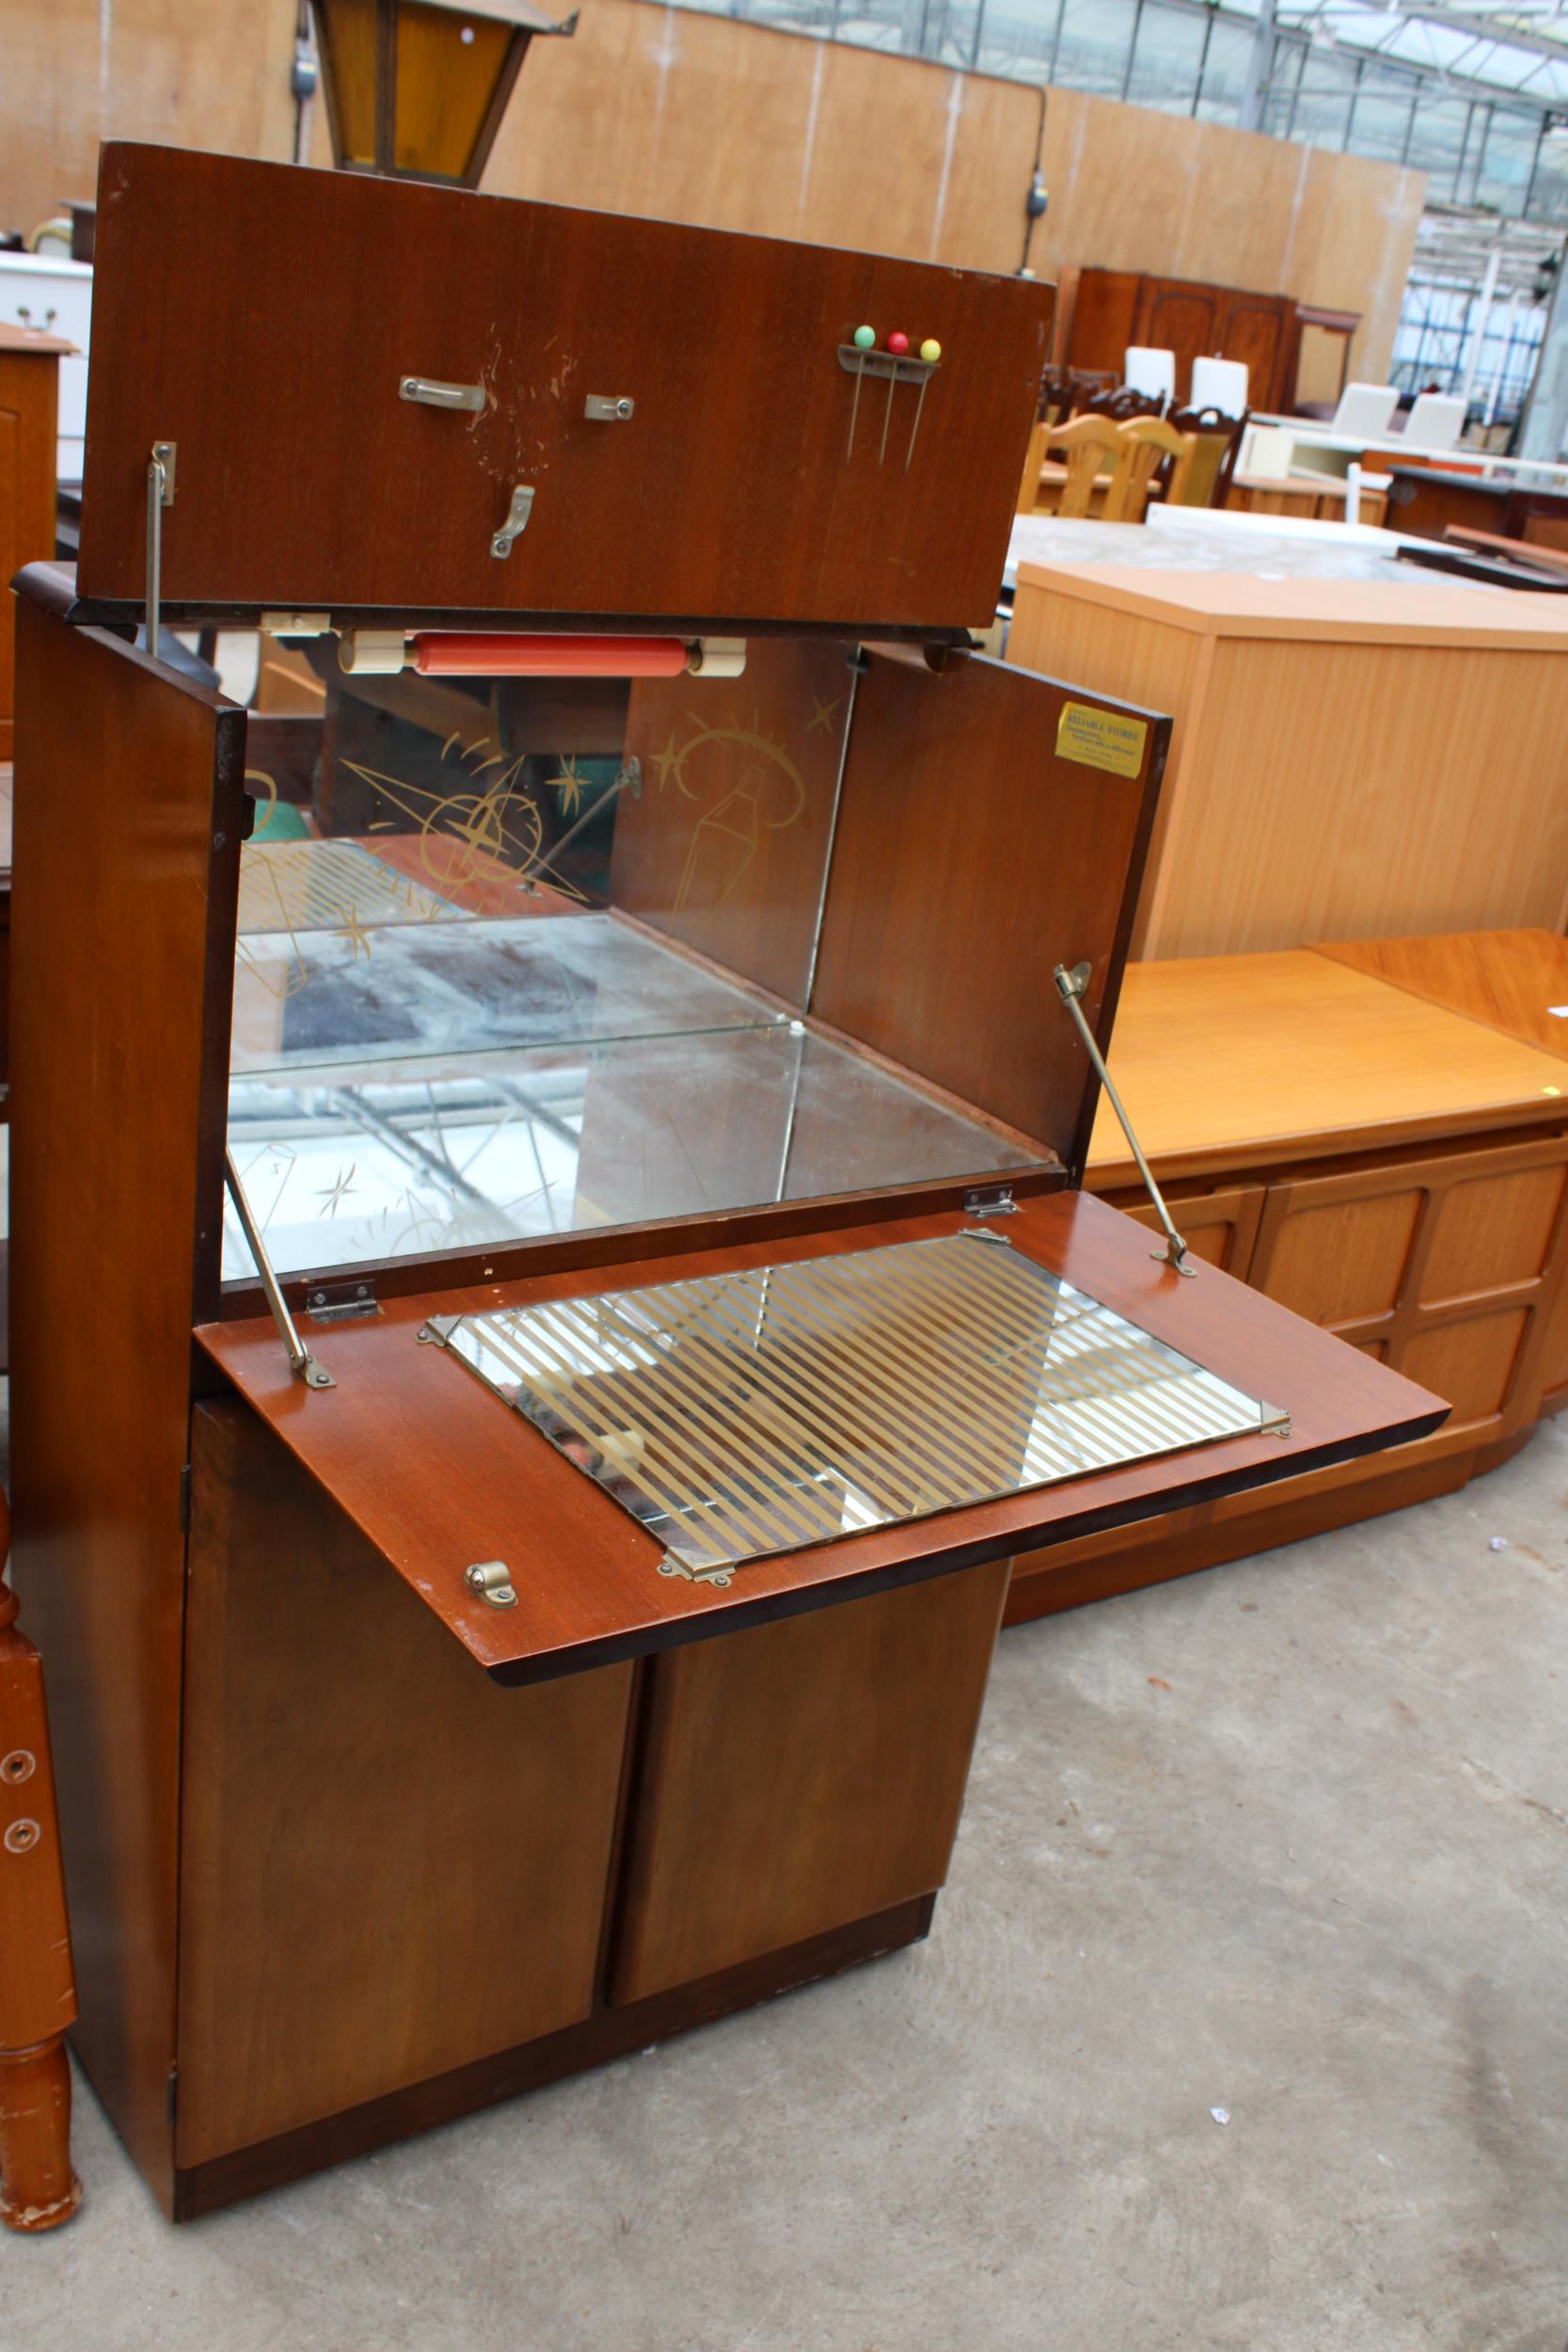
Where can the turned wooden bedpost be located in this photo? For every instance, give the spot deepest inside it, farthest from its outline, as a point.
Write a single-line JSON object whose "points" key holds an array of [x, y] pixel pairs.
{"points": [[37, 1994]]}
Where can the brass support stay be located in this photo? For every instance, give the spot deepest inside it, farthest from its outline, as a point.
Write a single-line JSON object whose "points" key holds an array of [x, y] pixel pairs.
{"points": [[160, 493], [1071, 987], [301, 1363]]}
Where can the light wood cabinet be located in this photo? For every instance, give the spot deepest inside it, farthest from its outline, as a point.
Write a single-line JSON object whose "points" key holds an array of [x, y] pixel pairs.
{"points": [[1349, 757], [1221, 1228]]}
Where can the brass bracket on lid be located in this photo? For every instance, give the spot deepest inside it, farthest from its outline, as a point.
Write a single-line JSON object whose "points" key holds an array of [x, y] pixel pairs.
{"points": [[492, 1581], [515, 524], [160, 493]]}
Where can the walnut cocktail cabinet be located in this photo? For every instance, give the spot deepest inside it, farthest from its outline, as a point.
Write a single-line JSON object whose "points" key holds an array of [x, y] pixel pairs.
{"points": [[549, 1286]]}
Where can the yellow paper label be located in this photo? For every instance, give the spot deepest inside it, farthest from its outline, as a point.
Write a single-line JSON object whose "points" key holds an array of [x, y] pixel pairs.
{"points": [[1098, 739]]}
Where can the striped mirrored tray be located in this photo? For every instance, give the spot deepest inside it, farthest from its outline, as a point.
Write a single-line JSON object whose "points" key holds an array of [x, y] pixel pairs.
{"points": [[749, 1413]]}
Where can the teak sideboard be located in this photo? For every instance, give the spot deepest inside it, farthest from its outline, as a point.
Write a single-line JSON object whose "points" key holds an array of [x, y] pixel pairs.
{"points": [[557, 1611], [1392, 1168]]}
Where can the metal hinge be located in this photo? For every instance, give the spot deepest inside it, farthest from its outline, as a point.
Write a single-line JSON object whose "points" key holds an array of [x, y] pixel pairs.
{"points": [[519, 510], [186, 1500], [434, 395], [990, 1200], [671, 1566], [340, 1302], [173, 2093]]}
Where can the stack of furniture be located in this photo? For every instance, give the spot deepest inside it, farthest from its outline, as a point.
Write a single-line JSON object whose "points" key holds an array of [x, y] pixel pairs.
{"points": [[1103, 311]]}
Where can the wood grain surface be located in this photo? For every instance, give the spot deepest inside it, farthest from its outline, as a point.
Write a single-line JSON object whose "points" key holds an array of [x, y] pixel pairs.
{"points": [[972, 856], [1328, 612], [1236, 1061], [438, 1472], [841, 1742], [1510, 981], [129, 811], [1328, 738], [610, 2033], [1113, 309], [390, 1867], [544, 305]]}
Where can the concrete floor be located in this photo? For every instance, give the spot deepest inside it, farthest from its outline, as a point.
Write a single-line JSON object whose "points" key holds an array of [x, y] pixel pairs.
{"points": [[1288, 1840]]}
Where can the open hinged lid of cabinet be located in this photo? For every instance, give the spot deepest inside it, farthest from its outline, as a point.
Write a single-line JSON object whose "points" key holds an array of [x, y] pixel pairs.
{"points": [[595, 1465], [383, 397], [678, 1423], [811, 1384]]}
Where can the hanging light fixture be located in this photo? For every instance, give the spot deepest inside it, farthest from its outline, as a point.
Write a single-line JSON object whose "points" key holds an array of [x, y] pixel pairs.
{"points": [[415, 89]]}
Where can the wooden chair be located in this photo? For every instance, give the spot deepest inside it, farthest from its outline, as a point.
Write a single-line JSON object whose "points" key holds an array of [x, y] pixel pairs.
{"points": [[1142, 444], [1124, 402], [1109, 468], [1203, 478], [1090, 446]]}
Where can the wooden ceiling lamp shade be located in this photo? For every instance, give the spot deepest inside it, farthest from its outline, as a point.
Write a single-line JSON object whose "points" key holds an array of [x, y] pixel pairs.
{"points": [[415, 89]]}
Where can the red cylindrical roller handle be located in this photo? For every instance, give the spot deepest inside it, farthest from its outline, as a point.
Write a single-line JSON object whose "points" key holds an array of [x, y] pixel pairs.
{"points": [[438, 654]]}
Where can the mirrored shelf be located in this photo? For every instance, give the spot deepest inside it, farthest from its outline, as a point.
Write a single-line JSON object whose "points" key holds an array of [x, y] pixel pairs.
{"points": [[359, 1163], [304, 1000]]}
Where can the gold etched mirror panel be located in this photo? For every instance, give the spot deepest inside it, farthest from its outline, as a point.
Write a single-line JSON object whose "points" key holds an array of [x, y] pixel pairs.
{"points": [[754, 1412]]}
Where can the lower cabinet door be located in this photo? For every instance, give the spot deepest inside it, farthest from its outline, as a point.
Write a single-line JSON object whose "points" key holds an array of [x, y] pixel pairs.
{"points": [[390, 1866], [802, 1775], [1446, 1267]]}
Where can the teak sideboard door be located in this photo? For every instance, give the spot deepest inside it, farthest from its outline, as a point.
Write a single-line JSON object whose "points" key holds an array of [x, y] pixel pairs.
{"points": [[1219, 1227], [1448, 1266], [1438, 1266]]}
